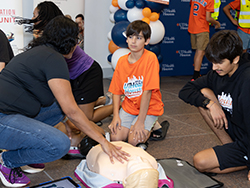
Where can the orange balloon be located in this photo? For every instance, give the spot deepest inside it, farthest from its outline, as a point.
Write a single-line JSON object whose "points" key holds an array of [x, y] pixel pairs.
{"points": [[154, 17], [146, 19], [146, 12], [115, 3], [113, 47]]}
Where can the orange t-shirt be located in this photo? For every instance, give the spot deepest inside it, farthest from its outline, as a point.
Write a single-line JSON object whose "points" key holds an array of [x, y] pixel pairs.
{"points": [[197, 18], [132, 79], [235, 5]]}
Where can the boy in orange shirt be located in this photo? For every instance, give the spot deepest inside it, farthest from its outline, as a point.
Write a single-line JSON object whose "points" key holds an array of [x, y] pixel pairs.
{"points": [[137, 77], [198, 27]]}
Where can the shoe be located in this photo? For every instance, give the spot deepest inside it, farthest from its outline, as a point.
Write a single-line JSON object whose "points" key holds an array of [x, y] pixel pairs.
{"points": [[33, 168], [13, 177], [73, 153], [161, 133], [144, 146], [109, 99], [99, 123]]}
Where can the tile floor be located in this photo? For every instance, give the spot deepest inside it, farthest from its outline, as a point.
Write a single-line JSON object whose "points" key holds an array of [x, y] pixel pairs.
{"points": [[187, 135]]}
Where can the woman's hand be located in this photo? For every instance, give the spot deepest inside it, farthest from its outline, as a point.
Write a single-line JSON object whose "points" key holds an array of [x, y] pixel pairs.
{"points": [[114, 152]]}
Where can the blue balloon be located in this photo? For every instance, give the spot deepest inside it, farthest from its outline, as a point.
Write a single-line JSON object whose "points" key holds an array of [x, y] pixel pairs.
{"points": [[155, 7], [120, 15], [109, 57], [117, 34], [139, 4], [154, 48], [130, 4]]}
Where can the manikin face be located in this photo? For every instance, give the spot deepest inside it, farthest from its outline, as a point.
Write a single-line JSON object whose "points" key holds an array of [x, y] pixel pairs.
{"points": [[225, 67], [80, 23], [136, 43]]}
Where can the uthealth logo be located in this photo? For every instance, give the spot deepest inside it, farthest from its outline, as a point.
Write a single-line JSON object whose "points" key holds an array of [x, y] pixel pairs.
{"points": [[183, 26], [184, 53]]}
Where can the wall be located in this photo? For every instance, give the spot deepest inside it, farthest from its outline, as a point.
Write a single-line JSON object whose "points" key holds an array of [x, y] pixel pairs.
{"points": [[176, 48], [97, 27]]}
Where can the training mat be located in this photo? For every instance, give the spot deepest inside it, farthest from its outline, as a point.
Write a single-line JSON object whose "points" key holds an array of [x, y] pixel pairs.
{"points": [[185, 175]]}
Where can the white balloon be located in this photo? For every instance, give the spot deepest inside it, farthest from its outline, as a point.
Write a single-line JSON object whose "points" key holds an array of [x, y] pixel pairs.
{"points": [[109, 36], [122, 4], [134, 14], [117, 54], [157, 32], [113, 9], [111, 17]]}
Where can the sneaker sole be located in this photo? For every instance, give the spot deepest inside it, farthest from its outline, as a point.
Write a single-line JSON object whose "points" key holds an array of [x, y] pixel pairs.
{"points": [[31, 170], [8, 184]]}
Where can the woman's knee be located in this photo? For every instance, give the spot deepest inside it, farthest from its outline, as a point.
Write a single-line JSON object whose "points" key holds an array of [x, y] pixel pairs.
{"points": [[60, 147]]}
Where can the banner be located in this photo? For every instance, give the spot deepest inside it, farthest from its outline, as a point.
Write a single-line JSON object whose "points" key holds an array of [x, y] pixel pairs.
{"points": [[176, 47], [8, 10]]}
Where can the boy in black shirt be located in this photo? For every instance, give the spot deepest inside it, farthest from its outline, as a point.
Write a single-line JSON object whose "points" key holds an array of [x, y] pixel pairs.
{"points": [[222, 97]]}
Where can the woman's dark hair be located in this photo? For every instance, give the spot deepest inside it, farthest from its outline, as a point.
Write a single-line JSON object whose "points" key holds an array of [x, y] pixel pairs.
{"points": [[135, 27], [224, 44], [61, 33], [47, 10]]}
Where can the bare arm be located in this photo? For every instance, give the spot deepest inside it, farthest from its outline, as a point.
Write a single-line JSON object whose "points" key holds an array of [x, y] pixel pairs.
{"points": [[116, 121], [226, 10], [62, 91], [212, 21]]}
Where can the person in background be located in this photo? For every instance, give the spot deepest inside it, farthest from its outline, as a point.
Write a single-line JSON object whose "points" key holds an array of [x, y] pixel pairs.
{"points": [[79, 19], [68, 16], [35, 96], [42, 14], [243, 23], [198, 27], [222, 97]]}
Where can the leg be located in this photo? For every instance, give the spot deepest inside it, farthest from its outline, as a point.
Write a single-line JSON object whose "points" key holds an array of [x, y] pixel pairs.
{"points": [[98, 114], [121, 135], [220, 133], [207, 161], [198, 57], [31, 141]]}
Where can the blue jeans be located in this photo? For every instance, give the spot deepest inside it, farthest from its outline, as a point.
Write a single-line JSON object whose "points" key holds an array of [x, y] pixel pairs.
{"points": [[245, 37], [32, 140]]}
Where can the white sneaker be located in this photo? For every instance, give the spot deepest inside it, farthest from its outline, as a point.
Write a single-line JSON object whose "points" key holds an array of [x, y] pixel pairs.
{"points": [[109, 99]]}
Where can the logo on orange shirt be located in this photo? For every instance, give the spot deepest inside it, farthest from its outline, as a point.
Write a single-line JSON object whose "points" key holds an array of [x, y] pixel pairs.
{"points": [[133, 88]]}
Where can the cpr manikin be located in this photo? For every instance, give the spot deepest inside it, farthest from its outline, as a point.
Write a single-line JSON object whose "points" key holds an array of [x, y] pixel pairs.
{"points": [[139, 171]]}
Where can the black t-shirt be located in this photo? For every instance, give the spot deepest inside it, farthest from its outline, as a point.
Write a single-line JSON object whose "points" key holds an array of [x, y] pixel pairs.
{"points": [[6, 53], [24, 81]]}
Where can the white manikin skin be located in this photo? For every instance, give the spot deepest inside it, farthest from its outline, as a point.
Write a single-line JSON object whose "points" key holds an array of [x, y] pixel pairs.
{"points": [[99, 162]]}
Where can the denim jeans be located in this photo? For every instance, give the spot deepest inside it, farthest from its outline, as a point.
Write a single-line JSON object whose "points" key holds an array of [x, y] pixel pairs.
{"points": [[32, 140]]}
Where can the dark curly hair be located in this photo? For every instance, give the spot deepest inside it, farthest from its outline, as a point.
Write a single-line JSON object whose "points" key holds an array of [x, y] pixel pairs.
{"points": [[47, 10], [61, 33], [224, 44]]}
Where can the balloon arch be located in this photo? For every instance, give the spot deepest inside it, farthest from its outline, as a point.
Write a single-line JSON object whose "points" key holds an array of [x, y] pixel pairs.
{"points": [[122, 12]]}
